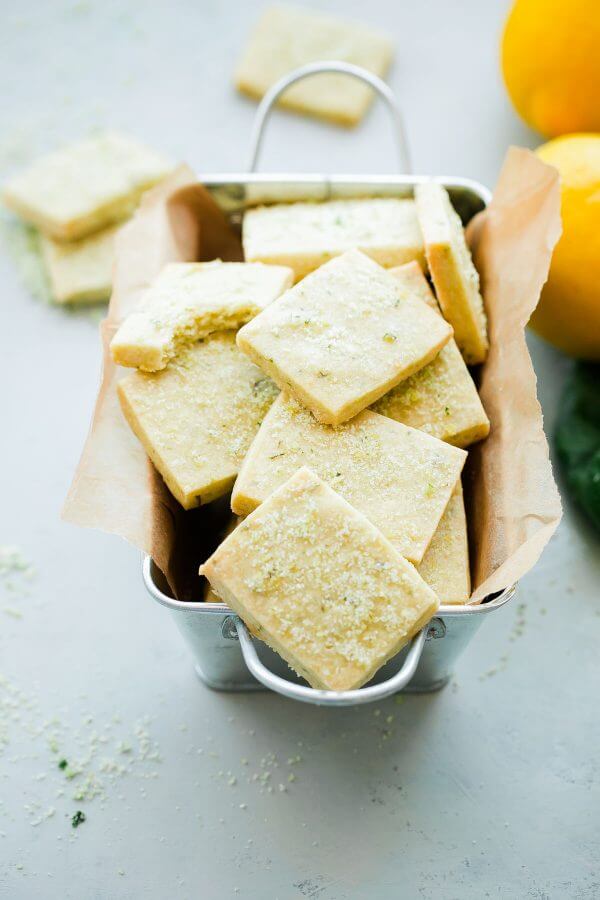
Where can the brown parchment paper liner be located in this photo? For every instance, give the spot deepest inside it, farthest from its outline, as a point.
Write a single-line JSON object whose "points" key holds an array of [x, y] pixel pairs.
{"points": [[512, 500]]}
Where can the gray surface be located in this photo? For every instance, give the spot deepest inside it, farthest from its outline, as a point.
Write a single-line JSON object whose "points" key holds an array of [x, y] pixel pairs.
{"points": [[488, 789]]}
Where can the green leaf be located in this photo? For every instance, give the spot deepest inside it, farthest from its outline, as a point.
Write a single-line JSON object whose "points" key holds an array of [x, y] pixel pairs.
{"points": [[577, 438]]}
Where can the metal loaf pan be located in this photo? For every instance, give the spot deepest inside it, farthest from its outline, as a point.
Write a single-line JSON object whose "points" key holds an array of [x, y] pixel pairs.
{"points": [[225, 656]]}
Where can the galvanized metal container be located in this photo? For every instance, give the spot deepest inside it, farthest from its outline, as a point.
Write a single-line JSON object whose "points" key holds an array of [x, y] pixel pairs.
{"points": [[226, 658]]}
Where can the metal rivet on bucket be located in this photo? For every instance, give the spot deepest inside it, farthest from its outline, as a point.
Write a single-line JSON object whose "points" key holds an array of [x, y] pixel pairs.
{"points": [[436, 630], [228, 629]]}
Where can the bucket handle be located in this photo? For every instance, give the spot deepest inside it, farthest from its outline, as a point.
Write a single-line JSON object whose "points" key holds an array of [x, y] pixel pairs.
{"points": [[327, 698], [318, 68]]}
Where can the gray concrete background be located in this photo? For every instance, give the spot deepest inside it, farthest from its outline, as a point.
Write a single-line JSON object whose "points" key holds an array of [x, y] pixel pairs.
{"points": [[487, 789]]}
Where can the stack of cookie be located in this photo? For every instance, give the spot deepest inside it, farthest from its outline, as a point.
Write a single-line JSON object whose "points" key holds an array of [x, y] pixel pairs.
{"points": [[78, 197], [324, 382]]}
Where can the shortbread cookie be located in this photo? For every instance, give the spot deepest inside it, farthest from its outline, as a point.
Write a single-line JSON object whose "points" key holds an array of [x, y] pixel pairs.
{"points": [[287, 37], [440, 398], [197, 418], [188, 301], [305, 235], [86, 186], [455, 278], [445, 566], [320, 584], [400, 478], [81, 271], [344, 336]]}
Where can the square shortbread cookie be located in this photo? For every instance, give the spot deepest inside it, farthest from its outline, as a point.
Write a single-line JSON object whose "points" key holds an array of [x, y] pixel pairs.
{"points": [[287, 37], [86, 186], [320, 584], [344, 336], [440, 398], [305, 235], [188, 301], [445, 566], [400, 478], [197, 418], [455, 278], [81, 271]]}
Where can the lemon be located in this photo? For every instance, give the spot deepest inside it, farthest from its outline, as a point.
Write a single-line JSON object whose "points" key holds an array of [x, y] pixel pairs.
{"points": [[551, 64], [568, 314]]}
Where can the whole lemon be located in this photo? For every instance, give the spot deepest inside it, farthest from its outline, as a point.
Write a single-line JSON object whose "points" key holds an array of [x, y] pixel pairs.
{"points": [[568, 314], [551, 64]]}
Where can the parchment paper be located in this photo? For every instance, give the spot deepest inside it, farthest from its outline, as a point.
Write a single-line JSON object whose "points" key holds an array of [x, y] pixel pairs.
{"points": [[513, 505]]}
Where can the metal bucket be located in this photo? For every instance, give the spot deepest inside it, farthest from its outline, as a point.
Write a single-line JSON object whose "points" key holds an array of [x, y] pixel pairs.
{"points": [[226, 658]]}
